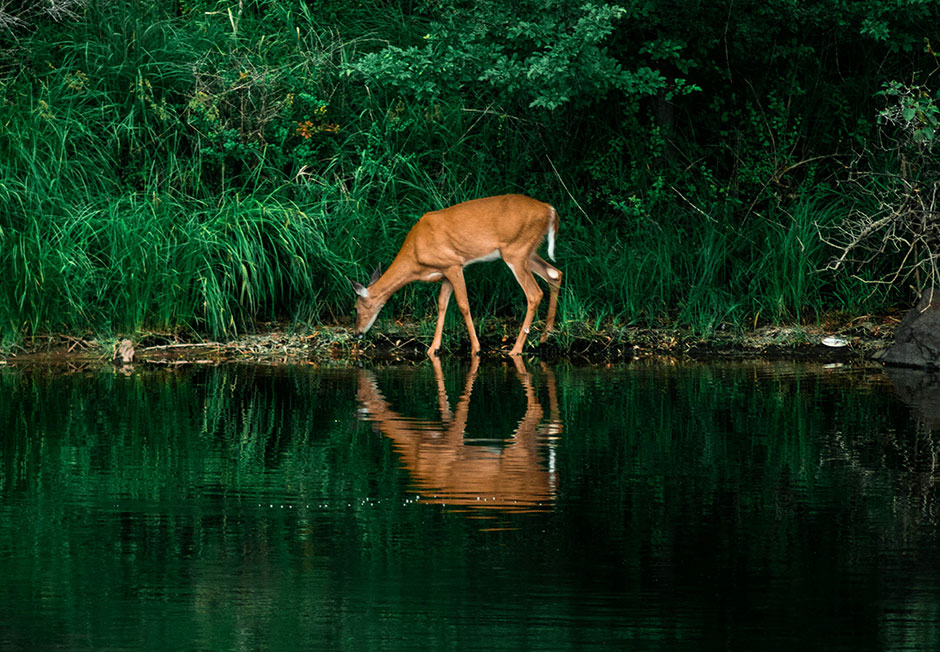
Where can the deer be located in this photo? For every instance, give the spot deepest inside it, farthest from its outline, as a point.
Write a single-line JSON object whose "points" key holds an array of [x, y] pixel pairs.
{"points": [[443, 242]]}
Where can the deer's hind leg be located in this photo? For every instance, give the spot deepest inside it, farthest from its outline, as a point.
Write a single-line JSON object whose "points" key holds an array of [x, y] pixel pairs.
{"points": [[551, 275], [533, 294]]}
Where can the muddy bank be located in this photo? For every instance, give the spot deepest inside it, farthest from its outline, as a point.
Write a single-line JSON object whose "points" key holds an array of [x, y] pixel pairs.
{"points": [[833, 341]]}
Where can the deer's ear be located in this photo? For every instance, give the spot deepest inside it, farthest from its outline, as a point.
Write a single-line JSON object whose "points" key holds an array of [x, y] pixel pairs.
{"points": [[376, 274], [359, 289]]}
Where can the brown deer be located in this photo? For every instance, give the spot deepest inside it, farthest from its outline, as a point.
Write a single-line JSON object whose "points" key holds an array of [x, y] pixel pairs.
{"points": [[443, 242]]}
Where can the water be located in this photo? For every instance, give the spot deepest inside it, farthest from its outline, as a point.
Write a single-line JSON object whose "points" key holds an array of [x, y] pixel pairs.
{"points": [[646, 507]]}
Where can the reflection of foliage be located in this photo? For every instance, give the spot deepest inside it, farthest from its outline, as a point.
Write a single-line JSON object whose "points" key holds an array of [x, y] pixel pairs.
{"points": [[716, 425], [256, 481]]}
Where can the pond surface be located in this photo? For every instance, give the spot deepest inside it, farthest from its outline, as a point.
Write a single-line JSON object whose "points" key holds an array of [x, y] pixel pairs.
{"points": [[646, 507]]}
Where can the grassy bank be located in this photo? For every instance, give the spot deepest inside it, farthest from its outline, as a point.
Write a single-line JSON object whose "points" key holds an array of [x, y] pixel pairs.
{"points": [[836, 339], [204, 169]]}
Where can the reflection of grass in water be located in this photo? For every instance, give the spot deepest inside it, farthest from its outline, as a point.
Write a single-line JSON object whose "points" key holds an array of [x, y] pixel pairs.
{"points": [[778, 444], [772, 450], [240, 427], [762, 468]]}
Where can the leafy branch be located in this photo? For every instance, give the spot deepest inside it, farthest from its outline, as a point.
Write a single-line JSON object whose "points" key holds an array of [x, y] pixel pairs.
{"points": [[895, 225]]}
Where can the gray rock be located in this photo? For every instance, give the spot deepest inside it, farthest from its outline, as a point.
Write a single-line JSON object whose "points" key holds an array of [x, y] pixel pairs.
{"points": [[917, 339]]}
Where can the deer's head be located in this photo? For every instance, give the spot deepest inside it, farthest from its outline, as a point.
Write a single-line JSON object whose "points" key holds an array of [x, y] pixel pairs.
{"points": [[367, 305]]}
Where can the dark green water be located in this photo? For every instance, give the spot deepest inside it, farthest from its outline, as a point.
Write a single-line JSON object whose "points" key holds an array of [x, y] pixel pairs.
{"points": [[642, 507]]}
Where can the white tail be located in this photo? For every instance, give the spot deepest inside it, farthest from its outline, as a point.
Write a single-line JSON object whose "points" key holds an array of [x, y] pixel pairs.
{"points": [[552, 227], [443, 242]]}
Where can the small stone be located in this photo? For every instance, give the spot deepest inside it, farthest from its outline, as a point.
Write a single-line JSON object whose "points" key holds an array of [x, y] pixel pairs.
{"points": [[125, 351]]}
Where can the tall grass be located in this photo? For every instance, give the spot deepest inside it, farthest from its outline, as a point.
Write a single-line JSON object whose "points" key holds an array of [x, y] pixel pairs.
{"points": [[710, 272], [156, 173], [142, 262]]}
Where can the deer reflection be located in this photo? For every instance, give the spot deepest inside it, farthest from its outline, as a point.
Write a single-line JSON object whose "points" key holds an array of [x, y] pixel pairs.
{"points": [[446, 469]]}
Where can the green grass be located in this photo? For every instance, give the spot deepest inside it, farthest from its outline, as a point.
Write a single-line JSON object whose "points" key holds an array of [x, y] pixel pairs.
{"points": [[154, 176], [136, 262]]}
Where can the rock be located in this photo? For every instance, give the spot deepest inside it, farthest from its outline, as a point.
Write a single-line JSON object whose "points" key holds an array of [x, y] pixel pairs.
{"points": [[917, 339], [125, 351]]}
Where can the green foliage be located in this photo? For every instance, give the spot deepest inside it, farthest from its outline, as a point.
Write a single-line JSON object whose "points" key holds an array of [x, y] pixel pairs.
{"points": [[913, 110], [206, 164], [557, 56], [152, 262]]}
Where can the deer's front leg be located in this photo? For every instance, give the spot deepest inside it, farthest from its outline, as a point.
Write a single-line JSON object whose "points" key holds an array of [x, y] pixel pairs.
{"points": [[455, 276], [442, 300]]}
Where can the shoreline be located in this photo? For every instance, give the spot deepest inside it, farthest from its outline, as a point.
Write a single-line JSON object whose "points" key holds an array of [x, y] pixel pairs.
{"points": [[853, 340]]}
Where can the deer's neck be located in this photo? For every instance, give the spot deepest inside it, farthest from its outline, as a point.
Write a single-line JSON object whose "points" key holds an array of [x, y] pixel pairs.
{"points": [[398, 274]]}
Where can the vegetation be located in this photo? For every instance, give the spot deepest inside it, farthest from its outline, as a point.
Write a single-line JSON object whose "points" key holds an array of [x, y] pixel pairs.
{"points": [[209, 164]]}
